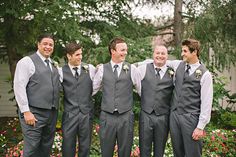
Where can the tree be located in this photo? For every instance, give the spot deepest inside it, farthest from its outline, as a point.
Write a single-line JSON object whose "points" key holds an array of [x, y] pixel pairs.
{"points": [[91, 22], [178, 26], [215, 28], [213, 22]]}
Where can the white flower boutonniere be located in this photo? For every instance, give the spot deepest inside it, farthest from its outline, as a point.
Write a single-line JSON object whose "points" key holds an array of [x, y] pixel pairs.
{"points": [[125, 68], [55, 64], [85, 67], [198, 73], [171, 72]]}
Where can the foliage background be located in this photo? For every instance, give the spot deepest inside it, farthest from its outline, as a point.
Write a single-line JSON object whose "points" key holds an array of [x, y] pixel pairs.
{"points": [[94, 23]]}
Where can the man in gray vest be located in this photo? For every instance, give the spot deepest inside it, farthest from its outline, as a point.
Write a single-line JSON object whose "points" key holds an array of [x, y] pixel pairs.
{"points": [[191, 102], [76, 78], [36, 88], [156, 93], [116, 79]]}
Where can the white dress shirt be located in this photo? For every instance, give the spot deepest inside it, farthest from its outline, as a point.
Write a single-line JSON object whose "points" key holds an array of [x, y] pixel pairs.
{"points": [[206, 92], [91, 70], [24, 70], [142, 70], [135, 77]]}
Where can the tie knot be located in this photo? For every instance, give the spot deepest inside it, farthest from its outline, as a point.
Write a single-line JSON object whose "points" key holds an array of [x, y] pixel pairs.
{"points": [[157, 70], [76, 73], [75, 68], [116, 66], [187, 67], [47, 61]]}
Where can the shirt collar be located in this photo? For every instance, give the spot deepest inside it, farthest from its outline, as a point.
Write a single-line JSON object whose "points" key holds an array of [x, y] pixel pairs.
{"points": [[72, 66], [42, 57], [163, 68], [194, 65], [119, 64]]}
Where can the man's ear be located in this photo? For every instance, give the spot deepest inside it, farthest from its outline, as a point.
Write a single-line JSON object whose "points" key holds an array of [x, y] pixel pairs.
{"points": [[112, 51], [194, 52], [68, 56]]}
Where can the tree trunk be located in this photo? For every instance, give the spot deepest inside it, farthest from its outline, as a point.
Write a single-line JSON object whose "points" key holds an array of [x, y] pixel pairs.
{"points": [[178, 24], [11, 44], [12, 59]]}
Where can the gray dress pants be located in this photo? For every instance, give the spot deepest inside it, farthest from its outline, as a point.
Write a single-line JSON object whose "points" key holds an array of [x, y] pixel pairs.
{"points": [[153, 131], [38, 139], [181, 130], [115, 127], [76, 127]]}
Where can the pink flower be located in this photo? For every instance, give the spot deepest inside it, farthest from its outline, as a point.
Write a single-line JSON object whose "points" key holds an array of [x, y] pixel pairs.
{"points": [[97, 128], [136, 152], [116, 148], [223, 144], [131, 154], [213, 138], [15, 154], [223, 137]]}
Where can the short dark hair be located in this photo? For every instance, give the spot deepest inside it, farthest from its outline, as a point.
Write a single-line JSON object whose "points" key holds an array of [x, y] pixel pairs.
{"points": [[192, 44], [72, 47], [114, 42], [45, 35]]}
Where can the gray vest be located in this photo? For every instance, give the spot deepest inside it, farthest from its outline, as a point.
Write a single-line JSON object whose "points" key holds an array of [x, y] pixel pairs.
{"points": [[156, 94], [187, 92], [43, 86], [77, 93], [117, 93]]}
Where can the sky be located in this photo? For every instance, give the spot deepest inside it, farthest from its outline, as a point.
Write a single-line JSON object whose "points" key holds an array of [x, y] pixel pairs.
{"points": [[149, 12]]}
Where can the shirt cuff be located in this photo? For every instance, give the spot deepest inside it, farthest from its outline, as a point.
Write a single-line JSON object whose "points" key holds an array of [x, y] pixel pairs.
{"points": [[24, 109], [201, 125]]}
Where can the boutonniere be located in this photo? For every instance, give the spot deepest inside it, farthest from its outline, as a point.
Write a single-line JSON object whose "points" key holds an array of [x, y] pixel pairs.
{"points": [[171, 72], [198, 73], [125, 68], [85, 67], [55, 64]]}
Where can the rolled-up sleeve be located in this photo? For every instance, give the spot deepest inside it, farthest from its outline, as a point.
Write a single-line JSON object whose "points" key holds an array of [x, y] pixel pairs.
{"points": [[97, 81], [206, 99], [136, 78], [24, 70]]}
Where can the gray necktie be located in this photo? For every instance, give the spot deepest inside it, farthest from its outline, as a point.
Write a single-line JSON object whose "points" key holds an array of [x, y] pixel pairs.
{"points": [[47, 61], [157, 73], [115, 71], [187, 70], [76, 73]]}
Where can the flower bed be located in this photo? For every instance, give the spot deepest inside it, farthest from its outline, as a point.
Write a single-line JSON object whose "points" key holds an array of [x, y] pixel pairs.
{"points": [[217, 143], [220, 142]]}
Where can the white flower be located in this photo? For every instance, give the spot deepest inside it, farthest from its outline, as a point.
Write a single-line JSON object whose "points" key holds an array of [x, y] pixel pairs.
{"points": [[125, 68], [171, 72], [55, 64], [85, 67], [198, 73]]}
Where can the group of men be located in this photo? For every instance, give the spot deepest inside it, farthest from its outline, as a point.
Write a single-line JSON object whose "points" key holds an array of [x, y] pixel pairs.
{"points": [[176, 97]]}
